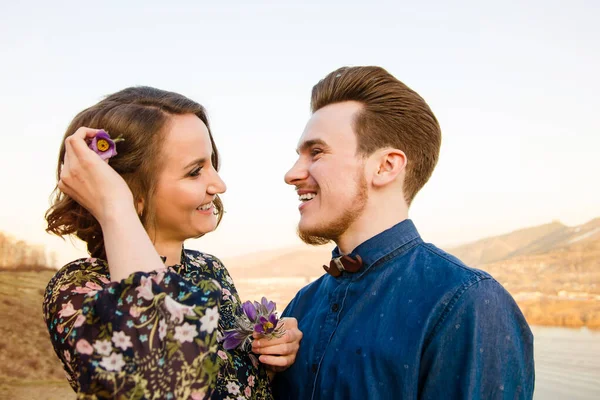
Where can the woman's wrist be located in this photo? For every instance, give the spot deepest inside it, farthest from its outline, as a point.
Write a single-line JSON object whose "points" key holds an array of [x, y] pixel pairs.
{"points": [[117, 213]]}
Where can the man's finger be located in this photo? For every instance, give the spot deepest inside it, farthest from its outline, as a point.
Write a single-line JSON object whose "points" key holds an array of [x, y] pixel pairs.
{"points": [[288, 337], [280, 349], [277, 361]]}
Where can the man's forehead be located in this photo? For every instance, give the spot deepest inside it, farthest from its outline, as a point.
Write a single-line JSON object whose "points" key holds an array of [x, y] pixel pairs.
{"points": [[327, 130]]}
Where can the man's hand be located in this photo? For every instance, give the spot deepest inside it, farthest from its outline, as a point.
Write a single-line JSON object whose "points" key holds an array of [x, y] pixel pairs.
{"points": [[279, 353]]}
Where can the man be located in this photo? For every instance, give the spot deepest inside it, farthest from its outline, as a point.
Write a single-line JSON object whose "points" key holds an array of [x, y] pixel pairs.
{"points": [[398, 318]]}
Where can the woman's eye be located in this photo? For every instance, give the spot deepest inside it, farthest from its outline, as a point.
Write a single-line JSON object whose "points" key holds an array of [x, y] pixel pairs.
{"points": [[196, 171]]}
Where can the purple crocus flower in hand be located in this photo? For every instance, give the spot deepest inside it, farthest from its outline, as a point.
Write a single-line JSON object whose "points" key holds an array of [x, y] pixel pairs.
{"points": [[103, 145], [233, 339], [268, 305], [250, 311], [266, 326], [255, 317]]}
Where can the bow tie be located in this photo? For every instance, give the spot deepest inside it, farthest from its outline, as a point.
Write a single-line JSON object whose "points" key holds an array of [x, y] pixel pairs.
{"points": [[343, 263]]}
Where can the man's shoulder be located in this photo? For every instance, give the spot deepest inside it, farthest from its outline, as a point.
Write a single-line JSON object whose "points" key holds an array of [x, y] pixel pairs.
{"points": [[454, 283], [437, 275], [444, 262]]}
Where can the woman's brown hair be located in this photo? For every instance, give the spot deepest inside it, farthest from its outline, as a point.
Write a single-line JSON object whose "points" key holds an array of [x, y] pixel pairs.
{"points": [[140, 115]]}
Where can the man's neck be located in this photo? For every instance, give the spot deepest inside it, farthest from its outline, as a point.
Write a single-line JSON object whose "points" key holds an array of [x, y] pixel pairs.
{"points": [[371, 223]]}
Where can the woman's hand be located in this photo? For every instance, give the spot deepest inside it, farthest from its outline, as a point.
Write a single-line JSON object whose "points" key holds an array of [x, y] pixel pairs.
{"points": [[279, 353], [90, 181]]}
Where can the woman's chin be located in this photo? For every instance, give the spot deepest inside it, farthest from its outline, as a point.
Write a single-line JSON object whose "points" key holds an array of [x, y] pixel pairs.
{"points": [[205, 228]]}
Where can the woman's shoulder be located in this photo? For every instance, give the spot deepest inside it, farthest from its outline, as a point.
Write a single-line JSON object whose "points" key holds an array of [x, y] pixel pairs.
{"points": [[83, 266], [196, 256], [91, 273]]}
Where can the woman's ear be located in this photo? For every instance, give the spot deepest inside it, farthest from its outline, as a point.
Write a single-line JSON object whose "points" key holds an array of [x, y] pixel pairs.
{"points": [[139, 207], [390, 164]]}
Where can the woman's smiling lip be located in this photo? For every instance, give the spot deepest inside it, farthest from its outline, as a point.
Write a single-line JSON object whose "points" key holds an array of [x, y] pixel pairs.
{"points": [[209, 210]]}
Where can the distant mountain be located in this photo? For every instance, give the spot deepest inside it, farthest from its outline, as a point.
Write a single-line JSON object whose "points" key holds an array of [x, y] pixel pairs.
{"points": [[529, 241]]}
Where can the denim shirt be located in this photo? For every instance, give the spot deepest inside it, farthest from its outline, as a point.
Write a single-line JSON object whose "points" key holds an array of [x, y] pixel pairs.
{"points": [[413, 323]]}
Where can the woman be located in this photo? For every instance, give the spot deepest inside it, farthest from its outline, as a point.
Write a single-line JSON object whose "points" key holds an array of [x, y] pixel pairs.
{"points": [[121, 322]]}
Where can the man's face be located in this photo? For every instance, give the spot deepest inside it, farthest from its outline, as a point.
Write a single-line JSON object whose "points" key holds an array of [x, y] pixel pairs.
{"points": [[328, 175]]}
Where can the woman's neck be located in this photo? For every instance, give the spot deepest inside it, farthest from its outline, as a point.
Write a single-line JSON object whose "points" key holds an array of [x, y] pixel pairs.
{"points": [[171, 250]]}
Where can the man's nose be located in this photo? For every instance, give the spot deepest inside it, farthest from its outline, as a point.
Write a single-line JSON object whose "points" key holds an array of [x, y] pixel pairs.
{"points": [[297, 173]]}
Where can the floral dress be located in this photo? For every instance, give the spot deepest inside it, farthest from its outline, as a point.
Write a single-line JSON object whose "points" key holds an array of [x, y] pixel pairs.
{"points": [[152, 335]]}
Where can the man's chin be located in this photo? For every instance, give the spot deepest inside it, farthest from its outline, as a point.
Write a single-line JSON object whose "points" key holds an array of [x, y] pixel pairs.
{"points": [[312, 237]]}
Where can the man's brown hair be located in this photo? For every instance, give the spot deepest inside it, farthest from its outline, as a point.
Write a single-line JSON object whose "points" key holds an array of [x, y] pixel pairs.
{"points": [[393, 115]]}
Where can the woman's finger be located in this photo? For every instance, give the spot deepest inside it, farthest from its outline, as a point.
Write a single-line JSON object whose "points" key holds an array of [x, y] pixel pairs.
{"points": [[66, 165], [85, 133], [78, 143]]}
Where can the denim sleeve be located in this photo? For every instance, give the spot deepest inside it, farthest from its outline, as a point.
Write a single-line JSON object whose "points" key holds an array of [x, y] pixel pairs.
{"points": [[481, 348]]}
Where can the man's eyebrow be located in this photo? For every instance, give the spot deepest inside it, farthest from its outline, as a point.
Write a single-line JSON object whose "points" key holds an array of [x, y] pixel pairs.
{"points": [[198, 161], [310, 143]]}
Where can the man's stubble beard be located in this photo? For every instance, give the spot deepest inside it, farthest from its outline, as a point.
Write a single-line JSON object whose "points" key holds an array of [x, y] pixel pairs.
{"points": [[333, 230]]}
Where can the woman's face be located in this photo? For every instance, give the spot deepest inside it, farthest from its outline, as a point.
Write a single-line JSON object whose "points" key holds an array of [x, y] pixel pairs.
{"points": [[187, 183]]}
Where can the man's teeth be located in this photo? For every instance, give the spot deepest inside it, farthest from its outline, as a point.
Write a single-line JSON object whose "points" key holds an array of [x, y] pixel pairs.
{"points": [[206, 206], [307, 196]]}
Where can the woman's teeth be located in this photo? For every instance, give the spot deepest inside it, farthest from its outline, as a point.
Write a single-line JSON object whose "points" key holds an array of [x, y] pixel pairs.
{"points": [[307, 196], [205, 207]]}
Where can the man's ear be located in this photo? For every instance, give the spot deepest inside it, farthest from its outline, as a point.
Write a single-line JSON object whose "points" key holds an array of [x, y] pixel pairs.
{"points": [[389, 164]]}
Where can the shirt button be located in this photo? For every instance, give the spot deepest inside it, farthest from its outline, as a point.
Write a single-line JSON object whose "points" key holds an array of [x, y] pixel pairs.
{"points": [[314, 368], [335, 307]]}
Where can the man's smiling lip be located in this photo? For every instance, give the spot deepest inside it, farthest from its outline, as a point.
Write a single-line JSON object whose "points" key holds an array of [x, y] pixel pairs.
{"points": [[305, 191], [305, 202]]}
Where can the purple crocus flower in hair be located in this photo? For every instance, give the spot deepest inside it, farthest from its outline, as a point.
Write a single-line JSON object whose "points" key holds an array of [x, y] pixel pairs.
{"points": [[103, 145]]}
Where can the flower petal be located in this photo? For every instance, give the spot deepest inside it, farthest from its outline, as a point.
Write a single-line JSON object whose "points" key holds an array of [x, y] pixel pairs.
{"points": [[105, 154], [269, 305], [232, 339], [258, 328], [250, 311], [273, 319]]}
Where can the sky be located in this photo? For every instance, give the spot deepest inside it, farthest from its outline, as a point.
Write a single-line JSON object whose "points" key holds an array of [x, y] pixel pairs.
{"points": [[515, 88]]}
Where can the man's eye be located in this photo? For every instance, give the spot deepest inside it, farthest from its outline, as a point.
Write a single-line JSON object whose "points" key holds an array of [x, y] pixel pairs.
{"points": [[314, 152], [196, 171]]}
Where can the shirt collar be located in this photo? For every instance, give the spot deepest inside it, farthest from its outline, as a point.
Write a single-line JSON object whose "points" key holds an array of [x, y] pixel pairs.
{"points": [[383, 243]]}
